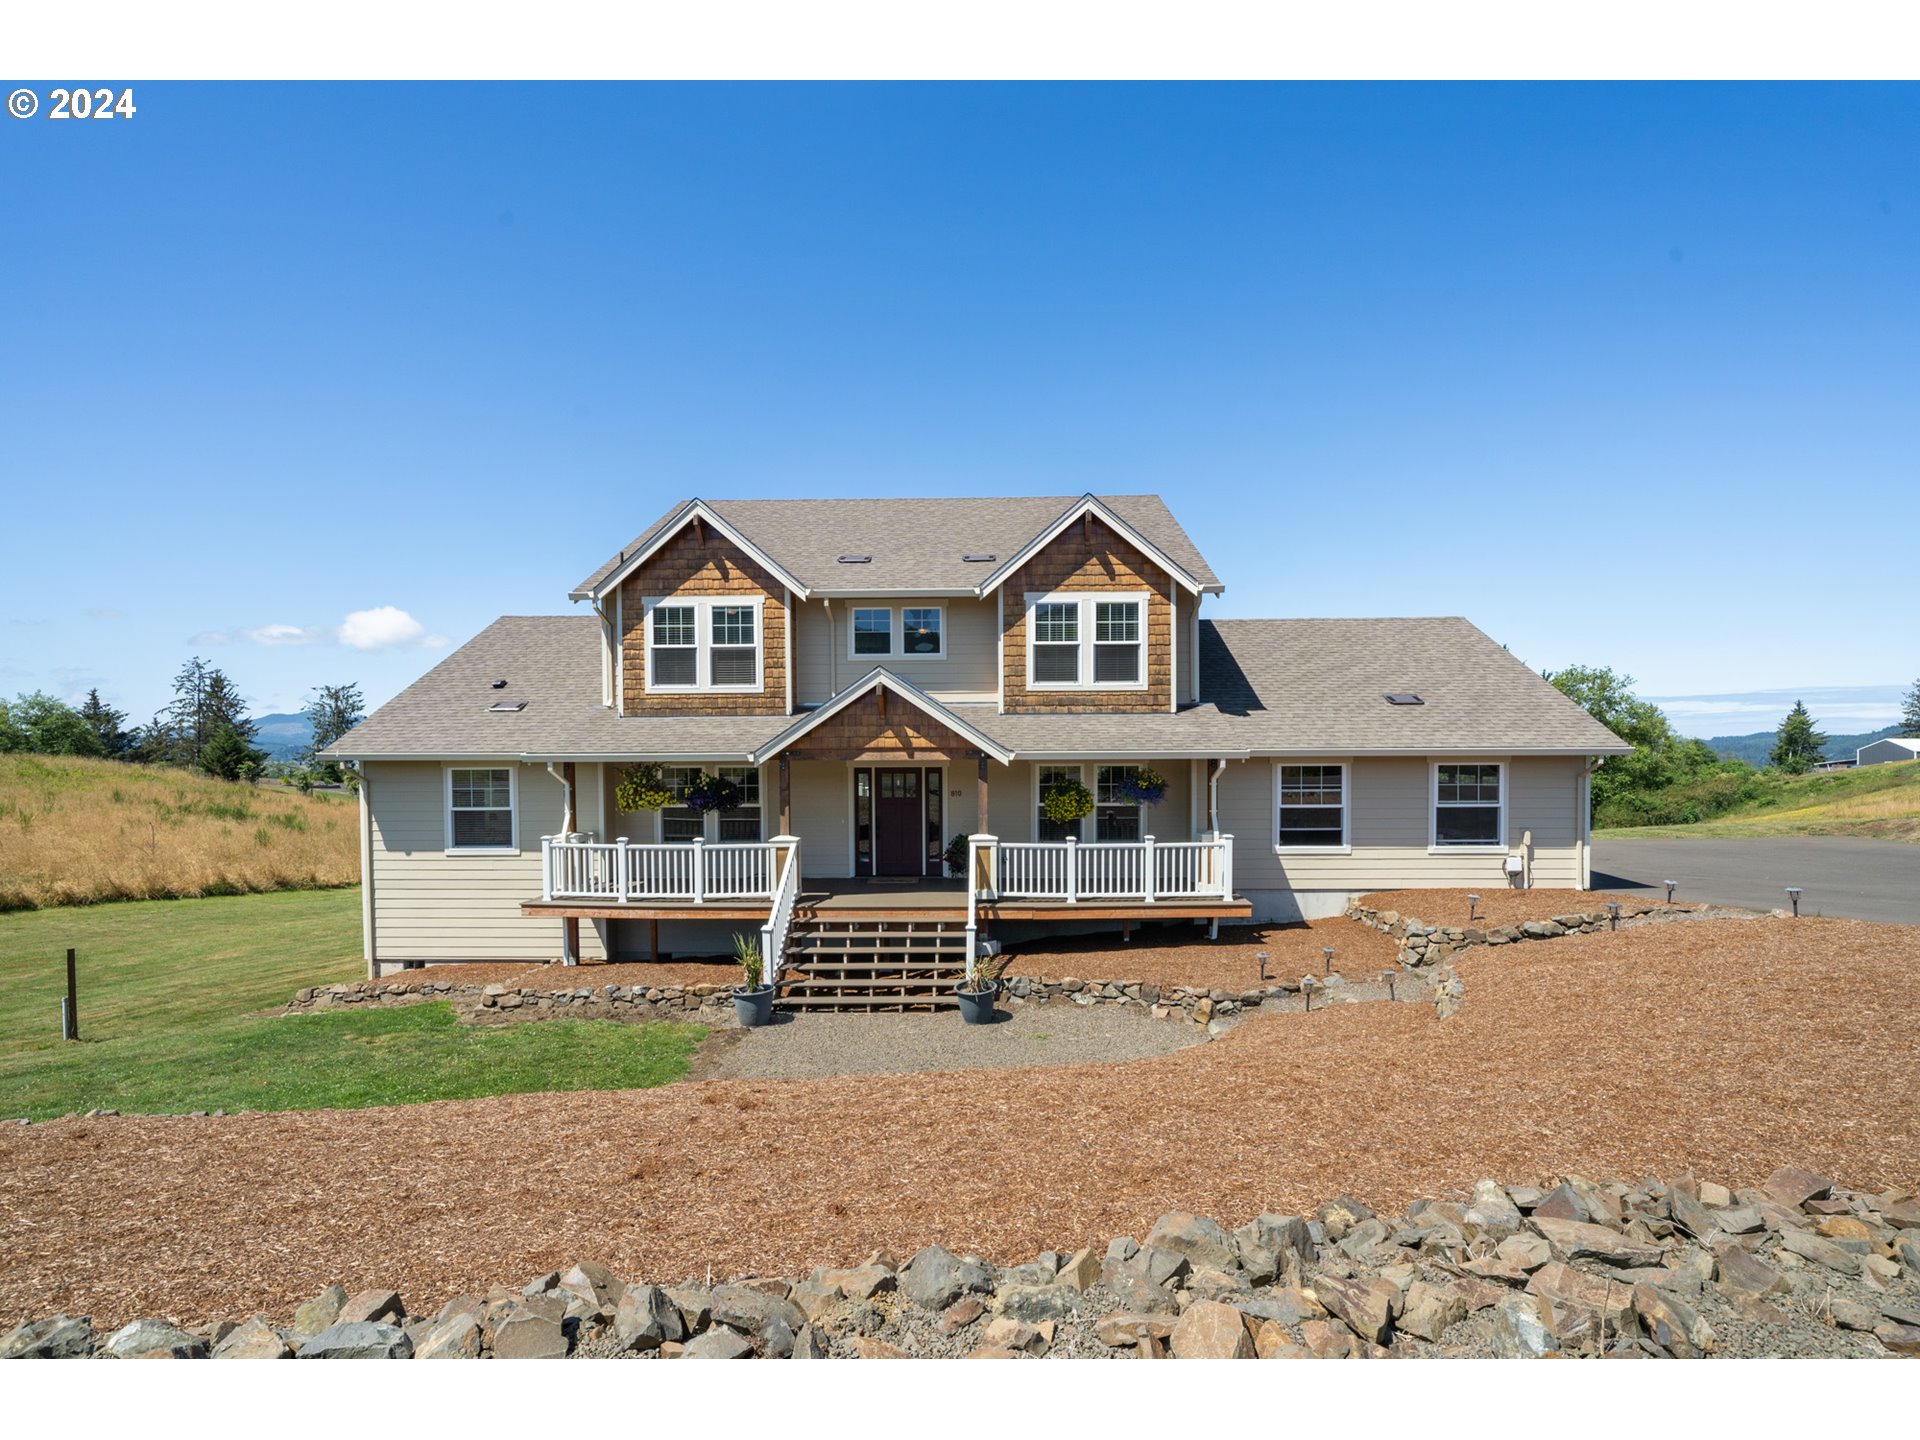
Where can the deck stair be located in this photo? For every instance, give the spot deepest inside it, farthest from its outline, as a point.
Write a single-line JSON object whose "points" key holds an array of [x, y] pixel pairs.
{"points": [[842, 961]]}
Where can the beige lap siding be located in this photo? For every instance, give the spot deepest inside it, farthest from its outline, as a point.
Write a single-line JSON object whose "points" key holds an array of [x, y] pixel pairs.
{"points": [[429, 905], [1390, 826], [824, 665], [691, 567]]}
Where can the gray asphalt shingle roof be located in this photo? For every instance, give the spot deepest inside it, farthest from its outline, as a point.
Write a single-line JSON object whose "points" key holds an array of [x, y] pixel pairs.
{"points": [[1273, 687], [916, 544]]}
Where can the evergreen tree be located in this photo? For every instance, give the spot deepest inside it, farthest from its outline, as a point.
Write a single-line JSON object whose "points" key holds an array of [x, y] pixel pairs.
{"points": [[227, 755], [1910, 713], [333, 710], [187, 715], [107, 725], [1797, 745]]}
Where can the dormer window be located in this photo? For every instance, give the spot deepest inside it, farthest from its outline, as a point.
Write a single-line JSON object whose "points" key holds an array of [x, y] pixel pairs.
{"points": [[1087, 642], [704, 644]]}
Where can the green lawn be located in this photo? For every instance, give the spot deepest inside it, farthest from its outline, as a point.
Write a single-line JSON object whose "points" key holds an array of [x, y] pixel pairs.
{"points": [[1880, 802], [176, 1002]]}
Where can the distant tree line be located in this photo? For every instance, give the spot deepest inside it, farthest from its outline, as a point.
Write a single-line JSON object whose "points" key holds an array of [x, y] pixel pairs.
{"points": [[1671, 779], [205, 727]]}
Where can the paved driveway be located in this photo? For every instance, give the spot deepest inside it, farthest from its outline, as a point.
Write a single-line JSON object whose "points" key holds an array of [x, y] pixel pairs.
{"points": [[1839, 875]]}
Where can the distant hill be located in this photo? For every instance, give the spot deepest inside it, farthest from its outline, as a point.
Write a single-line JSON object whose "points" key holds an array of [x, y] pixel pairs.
{"points": [[1755, 748], [285, 737]]}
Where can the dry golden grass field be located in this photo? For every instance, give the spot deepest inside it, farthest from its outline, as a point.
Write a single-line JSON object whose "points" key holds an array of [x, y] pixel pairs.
{"points": [[74, 831]]}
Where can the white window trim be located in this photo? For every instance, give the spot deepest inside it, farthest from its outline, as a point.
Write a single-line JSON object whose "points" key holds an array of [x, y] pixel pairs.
{"points": [[896, 634], [703, 646], [513, 811], [1498, 847], [710, 820], [1092, 782], [1088, 601], [1345, 847]]}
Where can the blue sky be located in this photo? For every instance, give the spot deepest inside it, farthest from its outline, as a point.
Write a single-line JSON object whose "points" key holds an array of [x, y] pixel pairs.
{"points": [[1626, 374]]}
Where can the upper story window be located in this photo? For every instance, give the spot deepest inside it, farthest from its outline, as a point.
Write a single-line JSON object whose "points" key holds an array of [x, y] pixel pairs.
{"points": [[703, 644], [921, 632], [480, 809], [873, 632], [1469, 805], [1310, 807], [1087, 642]]}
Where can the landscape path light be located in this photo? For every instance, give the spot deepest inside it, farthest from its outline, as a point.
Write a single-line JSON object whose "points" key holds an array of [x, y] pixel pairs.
{"points": [[1793, 894], [1613, 914], [1261, 956], [1473, 904], [1670, 888], [1327, 951], [1307, 982]]}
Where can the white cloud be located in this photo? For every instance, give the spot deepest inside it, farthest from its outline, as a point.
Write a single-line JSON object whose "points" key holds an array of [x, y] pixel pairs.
{"points": [[213, 637], [382, 628], [284, 634]]}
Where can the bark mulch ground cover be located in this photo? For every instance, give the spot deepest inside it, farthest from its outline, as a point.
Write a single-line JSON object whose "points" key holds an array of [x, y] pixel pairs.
{"points": [[1181, 954], [1499, 905], [1728, 1048]]}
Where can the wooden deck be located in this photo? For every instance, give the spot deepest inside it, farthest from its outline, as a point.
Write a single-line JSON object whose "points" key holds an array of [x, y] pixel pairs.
{"points": [[896, 901]]}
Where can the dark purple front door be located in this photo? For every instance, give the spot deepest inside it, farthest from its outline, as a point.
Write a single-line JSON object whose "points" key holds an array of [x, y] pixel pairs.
{"points": [[898, 830]]}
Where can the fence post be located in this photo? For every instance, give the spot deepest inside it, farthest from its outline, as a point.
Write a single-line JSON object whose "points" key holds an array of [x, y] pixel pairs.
{"points": [[1226, 867], [546, 867], [1073, 869], [620, 858], [70, 1006], [1146, 870], [699, 870]]}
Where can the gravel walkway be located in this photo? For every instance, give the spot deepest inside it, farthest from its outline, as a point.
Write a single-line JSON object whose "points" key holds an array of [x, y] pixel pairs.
{"points": [[811, 1047]]}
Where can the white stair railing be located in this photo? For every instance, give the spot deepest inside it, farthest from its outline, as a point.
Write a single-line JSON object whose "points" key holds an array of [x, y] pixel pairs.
{"points": [[773, 935]]}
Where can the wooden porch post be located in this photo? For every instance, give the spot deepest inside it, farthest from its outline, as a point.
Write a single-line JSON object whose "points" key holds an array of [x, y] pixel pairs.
{"points": [[786, 796], [569, 821], [981, 819]]}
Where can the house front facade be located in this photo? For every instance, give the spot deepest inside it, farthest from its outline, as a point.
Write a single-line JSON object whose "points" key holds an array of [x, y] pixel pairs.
{"points": [[1012, 708]]}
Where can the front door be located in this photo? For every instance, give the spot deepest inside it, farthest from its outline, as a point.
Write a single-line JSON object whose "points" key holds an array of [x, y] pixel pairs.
{"points": [[898, 830]]}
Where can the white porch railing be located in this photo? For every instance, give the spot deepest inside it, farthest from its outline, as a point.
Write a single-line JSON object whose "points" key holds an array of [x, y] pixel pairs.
{"points": [[620, 872], [1073, 870]]}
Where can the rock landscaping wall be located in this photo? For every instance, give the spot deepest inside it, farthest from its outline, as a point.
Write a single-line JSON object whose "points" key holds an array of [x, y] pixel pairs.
{"points": [[1215, 1007], [710, 1005], [1424, 944], [1680, 1268]]}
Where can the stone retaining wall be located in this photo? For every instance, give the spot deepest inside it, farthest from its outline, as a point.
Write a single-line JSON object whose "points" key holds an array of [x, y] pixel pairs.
{"points": [[1566, 1267], [1424, 944], [709, 1005], [1202, 1006]]}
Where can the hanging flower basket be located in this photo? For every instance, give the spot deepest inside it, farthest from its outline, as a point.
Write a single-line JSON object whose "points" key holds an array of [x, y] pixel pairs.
{"points": [[1144, 787], [712, 792], [642, 787], [1066, 802]]}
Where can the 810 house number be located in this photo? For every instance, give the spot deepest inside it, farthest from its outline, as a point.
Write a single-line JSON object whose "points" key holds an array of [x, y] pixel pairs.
{"points": [[94, 104]]}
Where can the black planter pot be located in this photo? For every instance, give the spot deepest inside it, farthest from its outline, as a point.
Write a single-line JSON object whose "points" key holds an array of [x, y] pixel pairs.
{"points": [[753, 1007], [976, 1006]]}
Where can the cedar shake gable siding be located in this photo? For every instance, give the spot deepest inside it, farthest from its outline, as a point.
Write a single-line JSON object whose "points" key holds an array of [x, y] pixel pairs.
{"points": [[699, 563], [1088, 556], [898, 733]]}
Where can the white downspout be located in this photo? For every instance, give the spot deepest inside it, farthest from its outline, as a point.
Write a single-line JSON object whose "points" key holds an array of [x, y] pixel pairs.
{"points": [[608, 640], [367, 943], [1583, 803], [833, 660]]}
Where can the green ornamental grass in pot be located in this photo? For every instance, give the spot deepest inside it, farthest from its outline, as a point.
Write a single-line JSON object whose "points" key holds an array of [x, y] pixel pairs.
{"points": [[752, 997]]}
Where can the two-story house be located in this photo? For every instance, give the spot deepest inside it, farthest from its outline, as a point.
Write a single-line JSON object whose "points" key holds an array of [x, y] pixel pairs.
{"points": [[877, 677]]}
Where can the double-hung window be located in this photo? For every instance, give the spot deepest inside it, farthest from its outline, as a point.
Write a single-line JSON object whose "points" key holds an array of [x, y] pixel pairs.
{"points": [[743, 821], [1115, 816], [680, 823], [1045, 778], [703, 644], [872, 632], [1087, 642], [920, 630], [1311, 807], [480, 809], [1469, 806]]}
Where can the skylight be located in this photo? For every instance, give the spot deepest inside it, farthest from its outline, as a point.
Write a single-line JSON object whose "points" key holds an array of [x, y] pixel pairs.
{"points": [[1402, 697], [507, 707]]}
